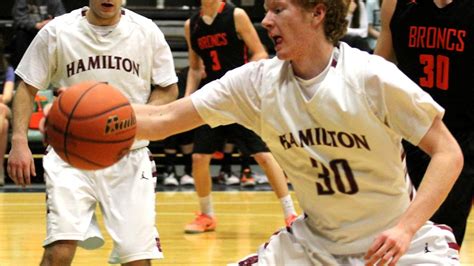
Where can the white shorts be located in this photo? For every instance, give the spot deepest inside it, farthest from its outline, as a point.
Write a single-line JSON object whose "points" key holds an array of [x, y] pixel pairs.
{"points": [[297, 245], [125, 192]]}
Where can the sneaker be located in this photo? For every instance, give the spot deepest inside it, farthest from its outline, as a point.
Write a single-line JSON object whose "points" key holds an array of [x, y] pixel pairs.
{"points": [[261, 179], [186, 180], [290, 219], [229, 179], [247, 179], [202, 223], [170, 180]]}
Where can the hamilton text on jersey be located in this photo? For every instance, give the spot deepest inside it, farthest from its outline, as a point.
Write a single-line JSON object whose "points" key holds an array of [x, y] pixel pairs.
{"points": [[103, 62], [321, 136], [436, 38]]}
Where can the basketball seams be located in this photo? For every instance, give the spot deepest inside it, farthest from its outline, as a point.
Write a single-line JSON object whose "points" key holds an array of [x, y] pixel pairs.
{"points": [[116, 107], [71, 114], [91, 141]]}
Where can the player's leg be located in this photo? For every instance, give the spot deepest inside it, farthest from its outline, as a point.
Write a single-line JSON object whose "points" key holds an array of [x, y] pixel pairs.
{"points": [[59, 253], [126, 192], [292, 245], [205, 142], [251, 143], [432, 245], [169, 174], [70, 201], [225, 173], [185, 141]]}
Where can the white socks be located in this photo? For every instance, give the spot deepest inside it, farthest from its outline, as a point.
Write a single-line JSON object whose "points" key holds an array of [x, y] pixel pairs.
{"points": [[206, 205]]}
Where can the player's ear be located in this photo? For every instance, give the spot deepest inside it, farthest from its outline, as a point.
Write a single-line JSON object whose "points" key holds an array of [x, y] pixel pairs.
{"points": [[319, 11]]}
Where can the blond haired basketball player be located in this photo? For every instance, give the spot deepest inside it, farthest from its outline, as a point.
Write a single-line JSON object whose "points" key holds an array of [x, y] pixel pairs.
{"points": [[334, 118], [102, 42]]}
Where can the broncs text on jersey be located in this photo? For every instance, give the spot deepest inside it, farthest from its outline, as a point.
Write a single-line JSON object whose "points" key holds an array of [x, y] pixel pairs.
{"points": [[210, 41], [436, 38]]}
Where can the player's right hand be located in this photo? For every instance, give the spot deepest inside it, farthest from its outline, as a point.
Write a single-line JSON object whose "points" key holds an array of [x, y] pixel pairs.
{"points": [[21, 165]]}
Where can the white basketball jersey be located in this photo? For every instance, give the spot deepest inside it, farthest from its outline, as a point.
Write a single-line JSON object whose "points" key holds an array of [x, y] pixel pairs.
{"points": [[69, 50], [341, 148]]}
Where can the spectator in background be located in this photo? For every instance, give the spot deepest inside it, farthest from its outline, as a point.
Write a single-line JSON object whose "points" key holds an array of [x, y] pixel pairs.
{"points": [[373, 19], [356, 35], [218, 36], [414, 35], [29, 16], [7, 76]]}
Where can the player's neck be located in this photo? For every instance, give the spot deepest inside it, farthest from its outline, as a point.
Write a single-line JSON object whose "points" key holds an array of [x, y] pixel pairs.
{"points": [[210, 8], [442, 3], [313, 62]]}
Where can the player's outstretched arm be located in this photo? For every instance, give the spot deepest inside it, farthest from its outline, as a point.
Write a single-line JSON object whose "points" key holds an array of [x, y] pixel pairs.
{"points": [[443, 170], [159, 122]]}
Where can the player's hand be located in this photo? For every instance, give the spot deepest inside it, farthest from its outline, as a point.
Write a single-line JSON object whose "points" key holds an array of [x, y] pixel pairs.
{"points": [[388, 247], [21, 165]]}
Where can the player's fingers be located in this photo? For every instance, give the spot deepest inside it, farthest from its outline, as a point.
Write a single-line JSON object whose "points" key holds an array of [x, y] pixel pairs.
{"points": [[395, 259], [386, 257], [373, 248], [377, 255], [33, 167], [12, 173]]}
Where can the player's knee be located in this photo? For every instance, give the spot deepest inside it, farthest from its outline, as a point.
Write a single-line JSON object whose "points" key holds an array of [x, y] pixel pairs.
{"points": [[263, 159], [59, 253], [199, 159]]}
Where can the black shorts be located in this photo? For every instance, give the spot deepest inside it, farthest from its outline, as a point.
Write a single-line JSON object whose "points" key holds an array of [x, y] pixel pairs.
{"points": [[207, 140], [173, 142]]}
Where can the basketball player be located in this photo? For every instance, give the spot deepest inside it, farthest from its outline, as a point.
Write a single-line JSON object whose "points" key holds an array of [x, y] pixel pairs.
{"points": [[218, 35], [435, 47], [102, 42], [334, 117]]}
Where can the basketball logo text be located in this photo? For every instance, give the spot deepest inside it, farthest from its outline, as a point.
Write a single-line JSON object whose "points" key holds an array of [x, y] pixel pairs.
{"points": [[114, 124]]}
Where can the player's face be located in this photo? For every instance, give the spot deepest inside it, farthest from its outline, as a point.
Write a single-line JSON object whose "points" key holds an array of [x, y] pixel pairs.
{"points": [[104, 12], [288, 25]]}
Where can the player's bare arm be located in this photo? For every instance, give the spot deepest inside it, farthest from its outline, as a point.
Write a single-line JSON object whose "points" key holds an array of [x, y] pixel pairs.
{"points": [[384, 45], [159, 122], [444, 168], [247, 32], [163, 95], [20, 160], [195, 64]]}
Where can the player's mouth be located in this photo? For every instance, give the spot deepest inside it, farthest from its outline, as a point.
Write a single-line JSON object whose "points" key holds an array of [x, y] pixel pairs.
{"points": [[277, 40], [107, 6]]}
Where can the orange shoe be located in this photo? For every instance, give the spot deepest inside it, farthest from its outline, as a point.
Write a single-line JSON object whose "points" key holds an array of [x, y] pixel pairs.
{"points": [[247, 179], [202, 223], [290, 219]]}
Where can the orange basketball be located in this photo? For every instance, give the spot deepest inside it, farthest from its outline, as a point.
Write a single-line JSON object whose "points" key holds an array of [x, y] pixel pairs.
{"points": [[91, 125]]}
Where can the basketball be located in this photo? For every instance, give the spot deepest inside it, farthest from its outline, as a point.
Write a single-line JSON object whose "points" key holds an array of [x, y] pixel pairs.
{"points": [[91, 125]]}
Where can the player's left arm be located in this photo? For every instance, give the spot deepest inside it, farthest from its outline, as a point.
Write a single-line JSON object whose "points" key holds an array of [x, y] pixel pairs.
{"points": [[247, 32], [444, 168], [163, 95]]}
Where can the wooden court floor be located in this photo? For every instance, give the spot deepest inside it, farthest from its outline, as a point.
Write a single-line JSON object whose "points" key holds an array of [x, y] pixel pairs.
{"points": [[245, 220]]}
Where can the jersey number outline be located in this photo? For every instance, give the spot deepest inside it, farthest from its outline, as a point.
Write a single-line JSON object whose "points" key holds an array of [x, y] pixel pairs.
{"points": [[324, 186], [436, 71], [216, 64]]}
